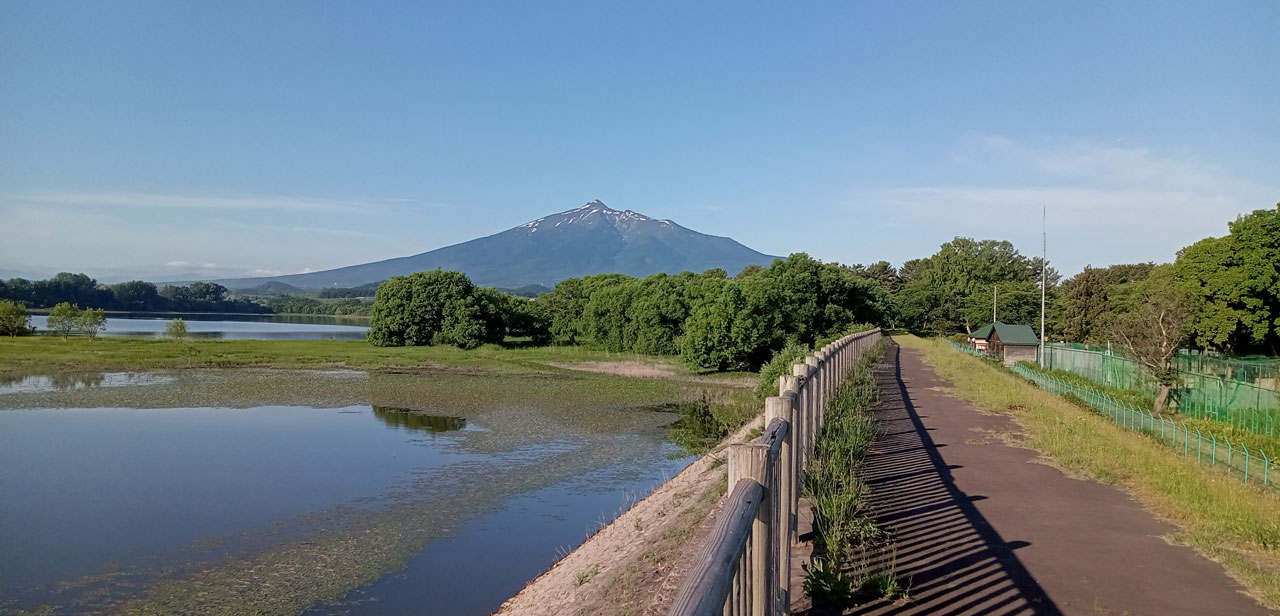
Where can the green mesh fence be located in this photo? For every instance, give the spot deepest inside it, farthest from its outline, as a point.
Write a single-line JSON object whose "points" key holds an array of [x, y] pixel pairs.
{"points": [[1217, 396], [1210, 449]]}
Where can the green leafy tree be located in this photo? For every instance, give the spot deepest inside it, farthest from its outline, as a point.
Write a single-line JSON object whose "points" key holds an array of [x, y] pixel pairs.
{"points": [[749, 271], [436, 307], [14, 320], [1236, 283], [90, 321], [604, 318], [1016, 302], [516, 316], [1085, 307], [64, 319], [137, 295], [176, 328], [945, 293], [1156, 328], [725, 333]]}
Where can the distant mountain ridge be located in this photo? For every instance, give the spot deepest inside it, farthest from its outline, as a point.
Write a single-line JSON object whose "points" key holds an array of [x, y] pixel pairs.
{"points": [[592, 239]]}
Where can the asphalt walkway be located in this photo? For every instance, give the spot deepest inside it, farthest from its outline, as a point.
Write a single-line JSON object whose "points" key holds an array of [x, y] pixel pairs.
{"points": [[981, 527]]}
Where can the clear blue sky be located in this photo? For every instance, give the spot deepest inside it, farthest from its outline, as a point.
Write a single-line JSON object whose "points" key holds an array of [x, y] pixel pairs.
{"points": [[167, 137]]}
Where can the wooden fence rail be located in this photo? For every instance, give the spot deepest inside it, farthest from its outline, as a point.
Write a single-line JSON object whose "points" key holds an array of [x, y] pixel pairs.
{"points": [[745, 566]]}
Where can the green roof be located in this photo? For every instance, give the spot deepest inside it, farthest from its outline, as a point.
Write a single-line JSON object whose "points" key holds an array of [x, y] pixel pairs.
{"points": [[983, 332], [1016, 334]]}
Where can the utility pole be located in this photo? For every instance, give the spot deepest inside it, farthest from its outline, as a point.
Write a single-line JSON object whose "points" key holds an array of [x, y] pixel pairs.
{"points": [[1044, 271]]}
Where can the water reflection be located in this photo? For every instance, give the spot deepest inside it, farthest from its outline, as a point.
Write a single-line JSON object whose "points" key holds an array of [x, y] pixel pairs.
{"points": [[230, 327], [66, 381], [417, 420], [698, 429]]}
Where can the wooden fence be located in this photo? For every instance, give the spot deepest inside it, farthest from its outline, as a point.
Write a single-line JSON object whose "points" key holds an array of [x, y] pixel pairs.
{"points": [[745, 566]]}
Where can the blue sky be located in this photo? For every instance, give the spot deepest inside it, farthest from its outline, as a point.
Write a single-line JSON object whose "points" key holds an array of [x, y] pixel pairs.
{"points": [[164, 138]]}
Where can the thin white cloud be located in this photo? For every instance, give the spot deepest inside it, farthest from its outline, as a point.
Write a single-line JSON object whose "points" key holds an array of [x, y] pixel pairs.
{"points": [[199, 202], [1105, 203], [177, 264]]}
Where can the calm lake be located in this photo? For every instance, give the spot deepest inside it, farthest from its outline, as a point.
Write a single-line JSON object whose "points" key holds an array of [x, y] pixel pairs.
{"points": [[233, 326], [445, 500]]}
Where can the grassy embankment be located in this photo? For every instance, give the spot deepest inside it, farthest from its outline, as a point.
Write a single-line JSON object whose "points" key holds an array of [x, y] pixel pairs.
{"points": [[1253, 440], [1224, 519]]}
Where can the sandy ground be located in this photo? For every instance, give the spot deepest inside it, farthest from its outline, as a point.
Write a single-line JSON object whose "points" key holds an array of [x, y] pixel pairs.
{"points": [[651, 370], [636, 564]]}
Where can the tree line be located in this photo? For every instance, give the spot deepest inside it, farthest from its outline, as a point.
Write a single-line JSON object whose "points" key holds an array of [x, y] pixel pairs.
{"points": [[1224, 291], [1219, 294], [137, 295], [709, 319]]}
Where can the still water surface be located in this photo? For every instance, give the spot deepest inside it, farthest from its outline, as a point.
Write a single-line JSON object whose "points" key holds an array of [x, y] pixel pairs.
{"points": [[232, 327], [100, 503]]}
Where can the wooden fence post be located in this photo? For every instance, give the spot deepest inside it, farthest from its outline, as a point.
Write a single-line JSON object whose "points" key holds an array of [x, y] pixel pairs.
{"points": [[820, 400], [780, 408], [804, 414], [790, 391], [751, 461]]}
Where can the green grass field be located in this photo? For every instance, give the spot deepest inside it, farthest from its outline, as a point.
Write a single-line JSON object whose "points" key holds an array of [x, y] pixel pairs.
{"points": [[1226, 520], [49, 353]]}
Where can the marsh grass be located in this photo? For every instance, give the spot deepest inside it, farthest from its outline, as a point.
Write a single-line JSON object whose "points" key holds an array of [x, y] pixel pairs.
{"points": [[1226, 520], [48, 353]]}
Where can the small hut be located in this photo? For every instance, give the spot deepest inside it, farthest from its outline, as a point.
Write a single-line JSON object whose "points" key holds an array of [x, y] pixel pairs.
{"points": [[979, 337], [1011, 343]]}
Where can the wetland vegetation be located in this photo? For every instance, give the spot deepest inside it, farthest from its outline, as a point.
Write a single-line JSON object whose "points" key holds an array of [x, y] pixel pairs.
{"points": [[369, 460]]}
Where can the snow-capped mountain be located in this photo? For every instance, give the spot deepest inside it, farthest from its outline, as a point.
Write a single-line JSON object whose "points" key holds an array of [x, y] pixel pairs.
{"points": [[592, 239]]}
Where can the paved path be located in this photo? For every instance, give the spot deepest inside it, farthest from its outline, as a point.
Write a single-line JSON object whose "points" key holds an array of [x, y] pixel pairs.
{"points": [[981, 528]]}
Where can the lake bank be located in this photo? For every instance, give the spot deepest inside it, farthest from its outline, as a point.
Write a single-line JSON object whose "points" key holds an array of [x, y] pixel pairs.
{"points": [[35, 354], [586, 445], [602, 421]]}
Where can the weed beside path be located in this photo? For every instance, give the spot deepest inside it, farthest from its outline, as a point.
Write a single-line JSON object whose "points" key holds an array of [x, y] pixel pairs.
{"points": [[1231, 523]]}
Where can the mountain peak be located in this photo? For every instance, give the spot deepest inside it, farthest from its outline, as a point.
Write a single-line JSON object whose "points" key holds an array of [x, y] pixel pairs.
{"points": [[587, 240], [591, 213]]}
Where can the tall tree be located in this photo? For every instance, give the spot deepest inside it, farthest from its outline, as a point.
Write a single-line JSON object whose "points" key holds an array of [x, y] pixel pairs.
{"points": [[1084, 307], [1236, 282], [1157, 328]]}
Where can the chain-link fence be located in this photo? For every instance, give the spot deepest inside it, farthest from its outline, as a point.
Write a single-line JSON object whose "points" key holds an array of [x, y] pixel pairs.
{"points": [[1235, 458], [1234, 391]]}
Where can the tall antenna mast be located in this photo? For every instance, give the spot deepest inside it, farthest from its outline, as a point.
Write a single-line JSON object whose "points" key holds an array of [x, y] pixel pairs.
{"points": [[1044, 271]]}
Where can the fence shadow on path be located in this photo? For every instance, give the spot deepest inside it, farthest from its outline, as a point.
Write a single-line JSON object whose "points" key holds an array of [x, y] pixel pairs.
{"points": [[947, 555]]}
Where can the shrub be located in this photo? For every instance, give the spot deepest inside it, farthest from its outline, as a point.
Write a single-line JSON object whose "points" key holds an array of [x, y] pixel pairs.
{"points": [[90, 321], [14, 319], [778, 366], [176, 328], [63, 319]]}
